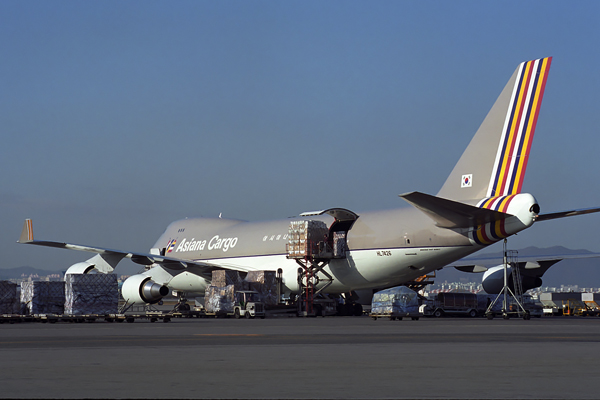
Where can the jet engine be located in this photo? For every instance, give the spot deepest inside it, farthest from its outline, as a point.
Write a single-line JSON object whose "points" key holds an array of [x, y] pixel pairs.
{"points": [[493, 280], [84, 267], [142, 289]]}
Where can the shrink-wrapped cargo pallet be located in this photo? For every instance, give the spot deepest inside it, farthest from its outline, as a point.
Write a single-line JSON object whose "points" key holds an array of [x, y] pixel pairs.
{"points": [[303, 235], [40, 297], [8, 298], [219, 300], [339, 244], [225, 277], [397, 300], [91, 294], [265, 283]]}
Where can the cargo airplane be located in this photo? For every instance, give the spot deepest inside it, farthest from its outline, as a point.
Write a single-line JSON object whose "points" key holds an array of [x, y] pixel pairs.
{"points": [[480, 203]]}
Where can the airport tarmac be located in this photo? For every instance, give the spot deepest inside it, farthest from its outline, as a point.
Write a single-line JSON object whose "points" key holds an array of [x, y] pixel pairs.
{"points": [[289, 358]]}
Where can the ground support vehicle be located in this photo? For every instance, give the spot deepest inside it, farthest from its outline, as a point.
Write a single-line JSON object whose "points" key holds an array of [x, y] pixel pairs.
{"points": [[324, 306], [246, 304], [450, 303], [396, 316], [395, 303]]}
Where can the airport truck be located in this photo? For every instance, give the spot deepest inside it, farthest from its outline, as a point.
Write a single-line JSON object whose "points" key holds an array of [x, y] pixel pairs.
{"points": [[463, 304], [245, 304], [248, 304]]}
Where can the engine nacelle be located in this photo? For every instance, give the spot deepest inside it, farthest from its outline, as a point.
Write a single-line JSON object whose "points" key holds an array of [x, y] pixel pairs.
{"points": [[84, 267], [142, 289], [493, 280]]}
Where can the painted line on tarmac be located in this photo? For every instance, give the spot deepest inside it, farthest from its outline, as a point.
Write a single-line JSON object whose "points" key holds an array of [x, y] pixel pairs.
{"points": [[229, 334]]}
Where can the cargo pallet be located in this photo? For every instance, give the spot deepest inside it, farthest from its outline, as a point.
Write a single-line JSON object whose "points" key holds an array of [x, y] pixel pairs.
{"points": [[53, 318]]}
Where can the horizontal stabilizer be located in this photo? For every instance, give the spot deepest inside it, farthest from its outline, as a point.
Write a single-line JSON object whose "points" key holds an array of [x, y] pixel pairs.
{"points": [[563, 214], [452, 214]]}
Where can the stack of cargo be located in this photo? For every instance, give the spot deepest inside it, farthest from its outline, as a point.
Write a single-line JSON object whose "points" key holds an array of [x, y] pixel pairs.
{"points": [[395, 301], [91, 294], [304, 235], [219, 300], [265, 283], [8, 298], [39, 297], [225, 277], [339, 244], [219, 297]]}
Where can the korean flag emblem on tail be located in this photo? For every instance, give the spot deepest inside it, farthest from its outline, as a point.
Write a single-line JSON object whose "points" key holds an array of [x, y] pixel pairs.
{"points": [[467, 181]]}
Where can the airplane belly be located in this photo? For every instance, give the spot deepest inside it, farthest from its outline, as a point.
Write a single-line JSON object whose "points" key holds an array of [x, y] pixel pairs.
{"points": [[369, 269], [362, 269]]}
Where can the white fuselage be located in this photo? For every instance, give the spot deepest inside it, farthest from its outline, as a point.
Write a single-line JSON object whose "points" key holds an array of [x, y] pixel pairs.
{"points": [[384, 248]]}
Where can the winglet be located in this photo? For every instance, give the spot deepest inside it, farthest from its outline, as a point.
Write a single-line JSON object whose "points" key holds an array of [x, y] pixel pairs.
{"points": [[27, 233]]}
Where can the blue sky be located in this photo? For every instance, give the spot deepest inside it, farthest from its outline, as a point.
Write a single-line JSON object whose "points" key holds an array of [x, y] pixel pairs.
{"points": [[120, 117]]}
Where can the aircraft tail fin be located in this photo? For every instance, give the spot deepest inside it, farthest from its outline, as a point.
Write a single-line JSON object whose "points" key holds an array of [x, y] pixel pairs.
{"points": [[495, 161]]}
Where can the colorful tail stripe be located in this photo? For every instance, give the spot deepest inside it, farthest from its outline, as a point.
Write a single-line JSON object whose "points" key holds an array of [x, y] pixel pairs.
{"points": [[29, 225], [171, 245], [519, 127], [492, 232]]}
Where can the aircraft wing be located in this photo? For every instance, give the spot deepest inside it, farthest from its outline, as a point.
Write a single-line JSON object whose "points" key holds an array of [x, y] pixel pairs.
{"points": [[138, 258], [481, 264]]}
